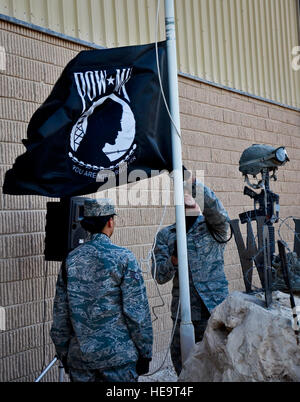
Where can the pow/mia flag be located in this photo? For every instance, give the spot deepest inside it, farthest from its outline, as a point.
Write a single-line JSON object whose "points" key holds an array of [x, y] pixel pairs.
{"points": [[105, 113]]}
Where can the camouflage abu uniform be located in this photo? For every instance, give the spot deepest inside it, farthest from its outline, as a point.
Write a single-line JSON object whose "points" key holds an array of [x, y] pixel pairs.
{"points": [[101, 317], [208, 284]]}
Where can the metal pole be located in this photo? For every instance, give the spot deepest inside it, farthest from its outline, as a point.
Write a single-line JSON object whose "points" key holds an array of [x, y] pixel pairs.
{"points": [[61, 372], [298, 19], [187, 337], [46, 369]]}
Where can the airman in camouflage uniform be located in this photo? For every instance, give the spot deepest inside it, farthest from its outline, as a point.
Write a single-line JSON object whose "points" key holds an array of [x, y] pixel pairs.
{"points": [[205, 243], [102, 327]]}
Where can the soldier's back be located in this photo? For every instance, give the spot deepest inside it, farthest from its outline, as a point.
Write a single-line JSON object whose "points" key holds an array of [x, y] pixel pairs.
{"points": [[95, 273]]}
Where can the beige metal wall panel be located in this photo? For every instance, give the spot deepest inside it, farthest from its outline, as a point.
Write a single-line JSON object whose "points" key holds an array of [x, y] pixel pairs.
{"points": [[241, 44]]}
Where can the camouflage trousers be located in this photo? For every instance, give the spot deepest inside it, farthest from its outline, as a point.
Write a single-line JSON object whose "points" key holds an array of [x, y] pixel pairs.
{"points": [[199, 329], [126, 373]]}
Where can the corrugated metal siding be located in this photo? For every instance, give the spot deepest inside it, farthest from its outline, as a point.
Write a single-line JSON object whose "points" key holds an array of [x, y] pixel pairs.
{"points": [[242, 44]]}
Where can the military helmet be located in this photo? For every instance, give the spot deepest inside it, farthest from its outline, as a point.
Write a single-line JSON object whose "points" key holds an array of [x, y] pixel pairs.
{"points": [[260, 156]]}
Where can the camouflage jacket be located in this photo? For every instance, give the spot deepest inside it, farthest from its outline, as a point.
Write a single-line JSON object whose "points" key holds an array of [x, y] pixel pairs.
{"points": [[205, 255], [101, 315]]}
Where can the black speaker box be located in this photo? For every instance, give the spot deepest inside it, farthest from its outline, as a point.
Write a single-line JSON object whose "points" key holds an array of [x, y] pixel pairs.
{"points": [[63, 229], [57, 230]]}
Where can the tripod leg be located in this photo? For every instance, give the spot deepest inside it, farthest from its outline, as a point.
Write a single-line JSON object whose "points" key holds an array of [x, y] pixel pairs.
{"points": [[245, 257]]}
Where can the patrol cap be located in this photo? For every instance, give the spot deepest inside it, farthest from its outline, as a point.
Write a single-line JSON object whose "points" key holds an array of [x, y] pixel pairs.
{"points": [[98, 207]]}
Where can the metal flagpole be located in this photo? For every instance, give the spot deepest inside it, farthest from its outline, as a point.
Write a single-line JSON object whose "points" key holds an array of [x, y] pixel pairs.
{"points": [[187, 337], [46, 370], [61, 370]]}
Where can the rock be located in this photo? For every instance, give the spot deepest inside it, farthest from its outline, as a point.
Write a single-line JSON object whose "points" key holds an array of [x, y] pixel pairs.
{"points": [[166, 374], [246, 342]]}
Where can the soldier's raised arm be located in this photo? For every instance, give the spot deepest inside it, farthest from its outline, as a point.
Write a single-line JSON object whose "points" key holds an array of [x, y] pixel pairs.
{"points": [[212, 208]]}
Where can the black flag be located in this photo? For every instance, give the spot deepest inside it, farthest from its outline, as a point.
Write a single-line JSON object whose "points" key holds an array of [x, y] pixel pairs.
{"points": [[105, 113]]}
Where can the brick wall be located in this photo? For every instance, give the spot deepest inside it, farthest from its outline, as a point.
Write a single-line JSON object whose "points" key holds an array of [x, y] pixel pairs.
{"points": [[217, 125], [33, 63]]}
